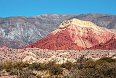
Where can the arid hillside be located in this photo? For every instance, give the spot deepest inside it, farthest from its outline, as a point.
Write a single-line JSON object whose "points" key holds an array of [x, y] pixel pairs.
{"points": [[31, 29], [75, 34], [32, 55]]}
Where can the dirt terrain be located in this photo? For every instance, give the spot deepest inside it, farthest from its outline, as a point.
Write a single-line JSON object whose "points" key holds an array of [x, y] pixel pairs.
{"points": [[60, 56]]}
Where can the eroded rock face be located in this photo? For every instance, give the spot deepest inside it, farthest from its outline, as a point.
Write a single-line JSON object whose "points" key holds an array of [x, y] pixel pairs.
{"points": [[75, 34], [20, 29], [5, 43], [58, 41], [109, 45]]}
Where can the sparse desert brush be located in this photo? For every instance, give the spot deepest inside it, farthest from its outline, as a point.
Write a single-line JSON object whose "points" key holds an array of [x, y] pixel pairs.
{"points": [[102, 68], [68, 65]]}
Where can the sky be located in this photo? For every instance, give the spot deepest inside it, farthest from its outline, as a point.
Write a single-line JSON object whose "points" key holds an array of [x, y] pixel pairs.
{"points": [[28, 8]]}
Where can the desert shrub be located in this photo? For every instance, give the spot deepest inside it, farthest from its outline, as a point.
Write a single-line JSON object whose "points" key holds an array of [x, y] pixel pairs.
{"points": [[80, 63], [89, 63], [34, 66], [1, 67], [44, 66], [108, 59], [68, 65], [24, 73], [13, 72], [106, 67], [38, 76], [72, 75], [83, 68], [20, 65], [56, 70], [7, 66], [101, 68]]}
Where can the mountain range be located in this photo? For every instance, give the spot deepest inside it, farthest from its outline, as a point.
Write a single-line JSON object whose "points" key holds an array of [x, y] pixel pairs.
{"points": [[75, 34], [21, 31]]}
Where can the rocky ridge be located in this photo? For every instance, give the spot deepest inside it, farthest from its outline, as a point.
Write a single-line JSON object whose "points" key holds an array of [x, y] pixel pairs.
{"points": [[75, 34]]}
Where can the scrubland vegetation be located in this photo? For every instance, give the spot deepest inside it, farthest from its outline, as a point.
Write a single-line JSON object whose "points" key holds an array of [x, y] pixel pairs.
{"points": [[104, 67]]}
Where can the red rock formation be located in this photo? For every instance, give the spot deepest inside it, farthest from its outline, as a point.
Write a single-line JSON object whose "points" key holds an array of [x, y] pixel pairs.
{"points": [[75, 34], [109, 45], [59, 41]]}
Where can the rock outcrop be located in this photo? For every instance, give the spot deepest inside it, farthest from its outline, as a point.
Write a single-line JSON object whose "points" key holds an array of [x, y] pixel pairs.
{"points": [[75, 34], [5, 43], [109, 45]]}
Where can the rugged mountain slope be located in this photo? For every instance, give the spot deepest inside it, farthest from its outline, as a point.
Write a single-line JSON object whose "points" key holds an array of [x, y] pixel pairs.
{"points": [[102, 20], [31, 29], [10, 43], [19, 30], [25, 30], [75, 34], [109, 45]]}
